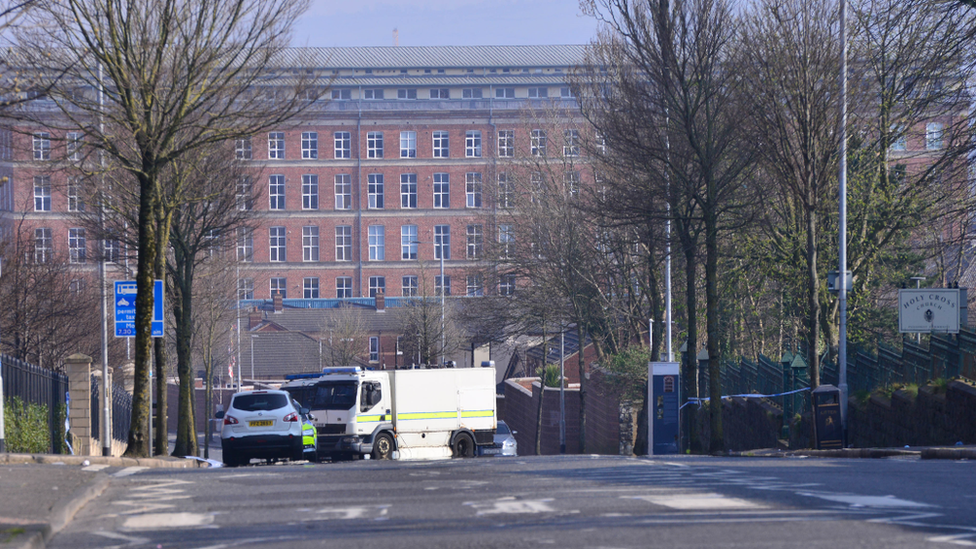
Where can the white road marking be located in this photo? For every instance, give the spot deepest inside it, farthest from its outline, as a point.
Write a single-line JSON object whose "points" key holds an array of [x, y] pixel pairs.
{"points": [[854, 500], [693, 502], [95, 467], [375, 512], [510, 505], [152, 521], [958, 539], [129, 471]]}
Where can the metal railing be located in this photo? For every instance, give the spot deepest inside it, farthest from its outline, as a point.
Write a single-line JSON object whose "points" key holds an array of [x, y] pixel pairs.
{"points": [[36, 385]]}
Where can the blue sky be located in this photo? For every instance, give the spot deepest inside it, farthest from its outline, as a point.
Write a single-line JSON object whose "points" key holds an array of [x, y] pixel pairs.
{"points": [[443, 23]]}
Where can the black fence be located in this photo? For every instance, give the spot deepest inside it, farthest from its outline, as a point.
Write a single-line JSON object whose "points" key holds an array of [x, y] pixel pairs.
{"points": [[121, 411], [35, 385]]}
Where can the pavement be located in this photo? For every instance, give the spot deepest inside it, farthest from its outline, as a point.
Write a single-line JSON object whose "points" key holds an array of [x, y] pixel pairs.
{"points": [[40, 493]]}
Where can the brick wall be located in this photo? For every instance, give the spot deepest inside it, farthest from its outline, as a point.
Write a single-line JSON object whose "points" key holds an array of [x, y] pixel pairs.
{"points": [[747, 424]]}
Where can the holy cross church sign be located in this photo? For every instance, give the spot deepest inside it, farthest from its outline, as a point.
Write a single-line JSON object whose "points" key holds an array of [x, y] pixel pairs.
{"points": [[929, 310]]}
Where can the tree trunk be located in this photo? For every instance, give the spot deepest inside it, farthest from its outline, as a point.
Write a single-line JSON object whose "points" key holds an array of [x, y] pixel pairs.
{"points": [[689, 358], [716, 442], [138, 443], [581, 334], [186, 435]]}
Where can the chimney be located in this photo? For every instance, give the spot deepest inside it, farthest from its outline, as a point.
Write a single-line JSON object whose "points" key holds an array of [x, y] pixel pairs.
{"points": [[278, 302], [253, 318], [380, 302]]}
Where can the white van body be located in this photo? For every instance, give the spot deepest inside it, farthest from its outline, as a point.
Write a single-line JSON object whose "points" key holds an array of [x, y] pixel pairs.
{"points": [[425, 413]]}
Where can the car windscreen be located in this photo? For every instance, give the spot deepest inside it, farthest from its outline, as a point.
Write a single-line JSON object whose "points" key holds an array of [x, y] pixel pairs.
{"points": [[502, 429], [335, 395], [256, 402]]}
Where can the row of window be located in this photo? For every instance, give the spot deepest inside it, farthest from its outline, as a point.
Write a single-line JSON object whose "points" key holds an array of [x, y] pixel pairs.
{"points": [[934, 137], [375, 94], [77, 246], [342, 189], [440, 143], [409, 286], [376, 243], [41, 146]]}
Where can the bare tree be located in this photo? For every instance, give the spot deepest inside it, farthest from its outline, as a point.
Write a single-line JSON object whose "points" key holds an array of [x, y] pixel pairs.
{"points": [[178, 76], [679, 59], [347, 335]]}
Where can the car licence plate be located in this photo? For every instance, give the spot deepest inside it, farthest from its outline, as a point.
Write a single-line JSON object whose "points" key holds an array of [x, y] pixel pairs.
{"points": [[260, 423], [491, 451]]}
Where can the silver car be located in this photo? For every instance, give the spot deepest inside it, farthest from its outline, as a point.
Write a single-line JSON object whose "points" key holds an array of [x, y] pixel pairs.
{"points": [[504, 442]]}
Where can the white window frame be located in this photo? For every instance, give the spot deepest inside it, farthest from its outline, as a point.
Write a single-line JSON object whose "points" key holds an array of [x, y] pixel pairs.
{"points": [[475, 286], [539, 93], [76, 200], [408, 144], [377, 284], [77, 246], [245, 244], [279, 285], [43, 244], [504, 93], [409, 286], [73, 144], [343, 243], [441, 143], [310, 145], [374, 343], [374, 191], [442, 285], [310, 287], [42, 146], [376, 238], [475, 241], [506, 239], [343, 287], [473, 189], [440, 93], [408, 191], [245, 196], [442, 190], [539, 142], [472, 144], [373, 94], [506, 143], [242, 149], [472, 93], [42, 193], [343, 191], [407, 93], [571, 143], [310, 192], [506, 192], [342, 95], [276, 145], [310, 243], [374, 144], [934, 136], [245, 288], [442, 242], [408, 242], [276, 192], [277, 244], [506, 285], [342, 142]]}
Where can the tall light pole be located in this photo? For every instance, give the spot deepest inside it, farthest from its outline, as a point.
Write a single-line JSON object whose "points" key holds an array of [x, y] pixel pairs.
{"points": [[842, 225], [106, 433], [253, 337]]}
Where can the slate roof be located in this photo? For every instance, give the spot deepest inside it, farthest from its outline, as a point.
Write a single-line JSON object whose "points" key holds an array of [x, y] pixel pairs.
{"points": [[390, 57], [277, 354]]}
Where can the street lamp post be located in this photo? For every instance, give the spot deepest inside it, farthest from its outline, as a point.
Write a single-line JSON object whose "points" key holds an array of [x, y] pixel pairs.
{"points": [[253, 337], [918, 284]]}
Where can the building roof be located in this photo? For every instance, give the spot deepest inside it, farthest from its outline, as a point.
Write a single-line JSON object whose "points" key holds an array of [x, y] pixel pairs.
{"points": [[313, 321], [394, 57], [277, 354]]}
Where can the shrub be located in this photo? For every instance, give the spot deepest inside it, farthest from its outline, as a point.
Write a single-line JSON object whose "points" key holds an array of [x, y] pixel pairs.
{"points": [[25, 426]]}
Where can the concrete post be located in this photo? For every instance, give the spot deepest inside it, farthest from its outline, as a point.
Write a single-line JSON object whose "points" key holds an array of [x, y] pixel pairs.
{"points": [[104, 388], [79, 411]]}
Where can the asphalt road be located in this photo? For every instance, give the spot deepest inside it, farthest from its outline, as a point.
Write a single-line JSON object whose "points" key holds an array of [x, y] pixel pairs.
{"points": [[556, 501]]}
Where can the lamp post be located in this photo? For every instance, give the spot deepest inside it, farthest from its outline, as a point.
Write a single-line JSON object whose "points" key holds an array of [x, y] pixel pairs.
{"points": [[253, 337], [842, 222], [918, 284]]}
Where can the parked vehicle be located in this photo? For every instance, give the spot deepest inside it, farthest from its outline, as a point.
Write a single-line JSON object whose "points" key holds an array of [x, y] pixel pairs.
{"points": [[399, 414], [263, 425], [504, 442]]}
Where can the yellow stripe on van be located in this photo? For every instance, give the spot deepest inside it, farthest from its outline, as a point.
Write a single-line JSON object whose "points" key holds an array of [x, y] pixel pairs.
{"points": [[446, 415], [367, 419]]}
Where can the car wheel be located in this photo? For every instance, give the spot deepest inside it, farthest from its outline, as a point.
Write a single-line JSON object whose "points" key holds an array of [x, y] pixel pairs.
{"points": [[463, 446], [383, 447]]}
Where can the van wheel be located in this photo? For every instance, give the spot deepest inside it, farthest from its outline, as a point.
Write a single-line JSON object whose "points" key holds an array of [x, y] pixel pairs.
{"points": [[383, 447], [463, 446]]}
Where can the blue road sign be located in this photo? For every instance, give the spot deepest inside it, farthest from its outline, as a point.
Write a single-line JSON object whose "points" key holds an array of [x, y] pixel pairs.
{"points": [[125, 308]]}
